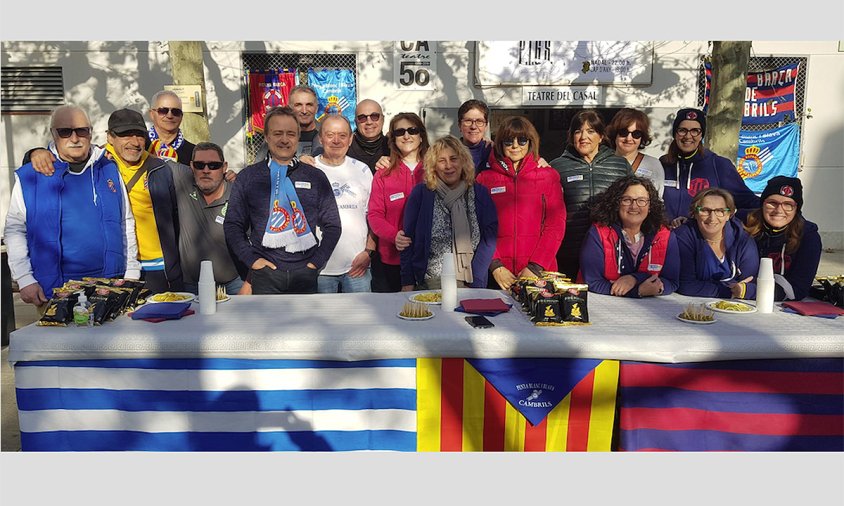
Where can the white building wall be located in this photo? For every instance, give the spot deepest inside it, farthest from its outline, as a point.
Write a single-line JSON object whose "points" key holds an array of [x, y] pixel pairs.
{"points": [[104, 76]]}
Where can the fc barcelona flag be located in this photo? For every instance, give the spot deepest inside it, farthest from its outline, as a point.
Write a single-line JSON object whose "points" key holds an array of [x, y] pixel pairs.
{"points": [[745, 405], [459, 410]]}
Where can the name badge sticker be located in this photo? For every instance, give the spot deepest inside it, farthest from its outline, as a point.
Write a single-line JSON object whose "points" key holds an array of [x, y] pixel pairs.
{"points": [[498, 189], [578, 177], [669, 182], [396, 196], [219, 219], [654, 267], [302, 184]]}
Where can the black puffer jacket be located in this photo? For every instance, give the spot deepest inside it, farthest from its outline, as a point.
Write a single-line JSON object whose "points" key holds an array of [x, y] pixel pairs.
{"points": [[581, 181]]}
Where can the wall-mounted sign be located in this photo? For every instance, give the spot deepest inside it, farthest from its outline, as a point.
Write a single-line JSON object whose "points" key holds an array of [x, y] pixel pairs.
{"points": [[415, 64], [554, 62], [561, 95], [191, 95]]}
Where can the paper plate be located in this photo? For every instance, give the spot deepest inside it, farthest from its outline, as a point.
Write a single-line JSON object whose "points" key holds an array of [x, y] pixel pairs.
{"points": [[415, 319], [228, 298], [422, 294], [699, 322], [712, 306], [186, 297]]}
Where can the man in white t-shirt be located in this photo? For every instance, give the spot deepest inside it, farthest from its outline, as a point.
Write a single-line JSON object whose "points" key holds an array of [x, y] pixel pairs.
{"points": [[348, 268]]}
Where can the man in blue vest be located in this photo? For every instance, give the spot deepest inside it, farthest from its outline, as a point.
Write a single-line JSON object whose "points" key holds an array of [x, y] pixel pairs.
{"points": [[74, 225]]}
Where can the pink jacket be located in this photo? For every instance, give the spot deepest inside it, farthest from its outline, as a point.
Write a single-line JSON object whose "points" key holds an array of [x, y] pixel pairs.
{"points": [[386, 207]]}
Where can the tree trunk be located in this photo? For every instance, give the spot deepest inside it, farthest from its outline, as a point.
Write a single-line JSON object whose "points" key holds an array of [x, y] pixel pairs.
{"points": [[726, 100], [186, 64]]}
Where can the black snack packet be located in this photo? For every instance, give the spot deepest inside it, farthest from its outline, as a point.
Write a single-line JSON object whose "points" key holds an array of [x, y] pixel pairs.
{"points": [[546, 308], [59, 310], [135, 286], [573, 302]]}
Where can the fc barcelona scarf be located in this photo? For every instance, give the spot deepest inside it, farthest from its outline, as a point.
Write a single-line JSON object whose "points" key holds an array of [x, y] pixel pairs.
{"points": [[287, 226], [161, 149]]}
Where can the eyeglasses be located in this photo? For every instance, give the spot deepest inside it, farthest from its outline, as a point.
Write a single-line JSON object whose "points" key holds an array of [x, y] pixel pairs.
{"points": [[164, 111], [466, 122], [64, 133], [705, 211], [210, 165], [375, 116], [399, 132], [637, 134], [509, 142], [640, 202], [695, 132], [786, 206]]}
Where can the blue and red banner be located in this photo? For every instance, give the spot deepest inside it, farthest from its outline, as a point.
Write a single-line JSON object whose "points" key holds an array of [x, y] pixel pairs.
{"points": [[745, 405], [763, 154], [267, 89], [769, 96]]}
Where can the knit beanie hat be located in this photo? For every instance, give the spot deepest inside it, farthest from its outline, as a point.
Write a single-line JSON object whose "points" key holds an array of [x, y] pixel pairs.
{"points": [[790, 187], [689, 114]]}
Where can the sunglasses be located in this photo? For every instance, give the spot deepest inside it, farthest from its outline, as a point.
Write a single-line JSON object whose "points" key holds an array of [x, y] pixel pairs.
{"points": [[375, 116], [399, 132], [164, 111], [210, 165], [637, 134], [509, 142], [64, 133]]}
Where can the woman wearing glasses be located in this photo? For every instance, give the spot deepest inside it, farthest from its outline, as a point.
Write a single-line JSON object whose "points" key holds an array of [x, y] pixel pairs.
{"points": [[472, 119], [448, 215], [628, 132], [717, 257], [391, 188], [628, 251], [791, 241], [690, 168], [587, 167], [529, 202]]}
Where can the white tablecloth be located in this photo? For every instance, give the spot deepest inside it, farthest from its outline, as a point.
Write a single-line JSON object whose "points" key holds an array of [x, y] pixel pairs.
{"points": [[365, 326]]}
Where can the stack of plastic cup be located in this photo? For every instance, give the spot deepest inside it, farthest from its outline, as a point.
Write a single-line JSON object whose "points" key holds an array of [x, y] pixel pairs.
{"points": [[765, 286], [448, 282], [207, 288]]}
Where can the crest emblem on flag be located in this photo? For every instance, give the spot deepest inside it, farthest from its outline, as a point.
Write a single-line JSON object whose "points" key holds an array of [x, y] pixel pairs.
{"points": [[750, 165]]}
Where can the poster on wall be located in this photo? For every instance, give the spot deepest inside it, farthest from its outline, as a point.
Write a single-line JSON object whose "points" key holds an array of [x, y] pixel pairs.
{"points": [[763, 154], [267, 89], [555, 62], [335, 89], [769, 96], [415, 64]]}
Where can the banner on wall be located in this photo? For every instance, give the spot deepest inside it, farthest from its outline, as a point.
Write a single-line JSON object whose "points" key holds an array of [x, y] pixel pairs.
{"points": [[769, 96], [267, 89], [763, 154], [335, 89]]}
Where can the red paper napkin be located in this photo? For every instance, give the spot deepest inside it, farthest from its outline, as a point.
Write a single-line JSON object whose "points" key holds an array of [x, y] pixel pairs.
{"points": [[487, 307], [814, 308]]}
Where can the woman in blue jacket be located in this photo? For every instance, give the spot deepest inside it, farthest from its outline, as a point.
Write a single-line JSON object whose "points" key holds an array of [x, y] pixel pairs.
{"points": [[448, 214], [782, 234], [717, 257]]}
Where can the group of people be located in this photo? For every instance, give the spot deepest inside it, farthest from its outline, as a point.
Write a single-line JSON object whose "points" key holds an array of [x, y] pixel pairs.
{"points": [[343, 208]]}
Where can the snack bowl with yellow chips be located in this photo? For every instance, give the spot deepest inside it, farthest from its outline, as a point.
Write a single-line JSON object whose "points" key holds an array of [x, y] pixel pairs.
{"points": [[171, 297]]}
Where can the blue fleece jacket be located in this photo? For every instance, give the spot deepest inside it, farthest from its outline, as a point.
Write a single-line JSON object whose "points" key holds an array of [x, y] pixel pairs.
{"points": [[699, 277], [797, 269]]}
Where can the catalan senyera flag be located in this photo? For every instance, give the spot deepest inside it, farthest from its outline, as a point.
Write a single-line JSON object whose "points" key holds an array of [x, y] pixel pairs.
{"points": [[459, 410], [742, 405]]}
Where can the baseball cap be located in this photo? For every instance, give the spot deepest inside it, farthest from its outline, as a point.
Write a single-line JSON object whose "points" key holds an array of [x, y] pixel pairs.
{"points": [[126, 120]]}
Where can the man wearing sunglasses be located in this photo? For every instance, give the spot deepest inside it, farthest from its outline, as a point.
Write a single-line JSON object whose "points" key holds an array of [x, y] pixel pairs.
{"points": [[166, 140], [75, 223], [369, 144], [202, 195]]}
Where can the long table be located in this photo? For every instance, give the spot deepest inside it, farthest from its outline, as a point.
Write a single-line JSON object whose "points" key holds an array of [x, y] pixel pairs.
{"points": [[343, 372]]}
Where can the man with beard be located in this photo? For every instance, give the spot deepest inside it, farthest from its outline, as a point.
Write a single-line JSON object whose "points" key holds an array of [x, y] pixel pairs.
{"points": [[202, 195], [369, 143]]}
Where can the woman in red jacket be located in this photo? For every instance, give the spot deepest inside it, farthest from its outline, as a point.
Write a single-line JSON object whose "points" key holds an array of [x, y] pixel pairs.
{"points": [[529, 200], [391, 187]]}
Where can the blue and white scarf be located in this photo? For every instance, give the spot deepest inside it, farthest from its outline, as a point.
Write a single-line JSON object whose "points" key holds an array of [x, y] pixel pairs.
{"points": [[161, 149], [287, 226]]}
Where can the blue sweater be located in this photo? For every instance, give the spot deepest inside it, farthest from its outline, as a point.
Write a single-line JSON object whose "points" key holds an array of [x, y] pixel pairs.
{"points": [[248, 212], [418, 221], [699, 277], [684, 179], [593, 255]]}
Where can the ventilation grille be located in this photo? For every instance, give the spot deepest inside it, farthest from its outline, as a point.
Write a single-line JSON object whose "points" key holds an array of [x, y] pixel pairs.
{"points": [[31, 89]]}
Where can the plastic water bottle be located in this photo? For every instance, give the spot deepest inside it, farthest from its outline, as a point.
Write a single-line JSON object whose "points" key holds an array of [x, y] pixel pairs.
{"points": [[82, 315], [765, 286], [207, 288], [448, 283]]}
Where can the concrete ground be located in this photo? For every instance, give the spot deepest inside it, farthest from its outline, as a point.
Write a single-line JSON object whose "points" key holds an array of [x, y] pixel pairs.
{"points": [[832, 264]]}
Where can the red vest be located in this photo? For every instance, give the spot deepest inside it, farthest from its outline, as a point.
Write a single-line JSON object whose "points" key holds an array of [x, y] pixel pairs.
{"points": [[651, 263]]}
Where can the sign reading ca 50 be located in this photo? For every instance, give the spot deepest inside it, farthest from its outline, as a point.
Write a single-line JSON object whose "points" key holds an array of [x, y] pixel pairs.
{"points": [[415, 64]]}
